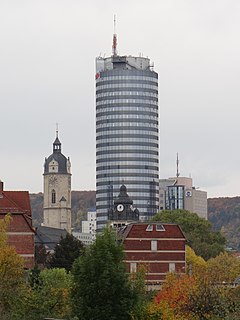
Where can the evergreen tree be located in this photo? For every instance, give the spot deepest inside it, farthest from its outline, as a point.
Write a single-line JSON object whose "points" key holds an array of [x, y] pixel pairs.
{"points": [[41, 256], [198, 231], [102, 289], [66, 252]]}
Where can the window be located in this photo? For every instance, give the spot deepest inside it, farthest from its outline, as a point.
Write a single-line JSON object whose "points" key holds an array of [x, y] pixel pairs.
{"points": [[154, 245], [172, 267], [160, 227], [149, 227], [53, 196], [133, 267]]}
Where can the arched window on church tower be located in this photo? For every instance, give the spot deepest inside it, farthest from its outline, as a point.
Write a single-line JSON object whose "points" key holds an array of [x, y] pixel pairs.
{"points": [[53, 196]]}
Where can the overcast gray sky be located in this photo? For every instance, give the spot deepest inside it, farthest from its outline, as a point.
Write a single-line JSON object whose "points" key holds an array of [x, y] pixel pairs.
{"points": [[47, 75]]}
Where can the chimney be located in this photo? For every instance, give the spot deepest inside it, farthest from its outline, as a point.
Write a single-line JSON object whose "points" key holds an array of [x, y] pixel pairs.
{"points": [[1, 185]]}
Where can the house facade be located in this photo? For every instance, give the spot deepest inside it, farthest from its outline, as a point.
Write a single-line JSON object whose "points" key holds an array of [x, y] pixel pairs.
{"points": [[159, 248]]}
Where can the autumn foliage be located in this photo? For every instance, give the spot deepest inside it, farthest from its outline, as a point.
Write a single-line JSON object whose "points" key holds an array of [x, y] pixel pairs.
{"points": [[175, 294], [99, 276], [205, 292], [11, 271]]}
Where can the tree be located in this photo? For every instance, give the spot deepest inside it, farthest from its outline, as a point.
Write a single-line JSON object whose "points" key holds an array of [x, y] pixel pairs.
{"points": [[49, 295], [4, 223], [161, 311], [188, 297], [66, 252], [11, 273], [175, 294], [102, 289], [208, 301], [224, 268], [234, 303], [140, 309], [198, 231], [41, 256], [196, 265]]}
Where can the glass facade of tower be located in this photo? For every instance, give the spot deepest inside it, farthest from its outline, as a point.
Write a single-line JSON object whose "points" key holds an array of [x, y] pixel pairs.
{"points": [[127, 148], [175, 197]]}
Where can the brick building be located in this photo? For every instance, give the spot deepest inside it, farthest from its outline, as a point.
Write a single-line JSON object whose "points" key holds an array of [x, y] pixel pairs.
{"points": [[20, 231], [158, 247]]}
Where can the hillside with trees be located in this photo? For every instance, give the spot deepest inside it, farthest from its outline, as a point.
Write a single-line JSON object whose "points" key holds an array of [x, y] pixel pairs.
{"points": [[224, 214]]}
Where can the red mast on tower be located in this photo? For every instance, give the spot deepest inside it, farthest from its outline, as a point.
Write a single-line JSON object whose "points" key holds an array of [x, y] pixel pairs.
{"points": [[114, 46]]}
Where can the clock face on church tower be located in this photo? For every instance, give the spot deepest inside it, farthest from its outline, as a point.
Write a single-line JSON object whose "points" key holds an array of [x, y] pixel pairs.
{"points": [[120, 207], [52, 181]]}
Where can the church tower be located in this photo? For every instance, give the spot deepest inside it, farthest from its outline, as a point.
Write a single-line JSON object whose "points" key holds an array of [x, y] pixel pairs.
{"points": [[57, 189], [123, 212]]}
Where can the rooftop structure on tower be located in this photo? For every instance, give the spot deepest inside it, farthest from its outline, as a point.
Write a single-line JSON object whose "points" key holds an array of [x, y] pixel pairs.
{"points": [[179, 193]]}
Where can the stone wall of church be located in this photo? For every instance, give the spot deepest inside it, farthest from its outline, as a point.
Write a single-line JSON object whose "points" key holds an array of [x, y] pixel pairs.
{"points": [[57, 201]]}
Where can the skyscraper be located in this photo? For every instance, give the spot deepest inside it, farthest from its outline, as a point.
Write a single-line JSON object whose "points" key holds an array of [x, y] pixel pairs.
{"points": [[127, 150]]}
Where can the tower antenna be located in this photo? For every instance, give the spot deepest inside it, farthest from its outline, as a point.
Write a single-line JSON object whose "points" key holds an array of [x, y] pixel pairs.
{"points": [[56, 130], [178, 174], [114, 46]]}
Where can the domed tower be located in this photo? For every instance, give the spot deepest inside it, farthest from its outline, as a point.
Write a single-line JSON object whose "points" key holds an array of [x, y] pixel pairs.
{"points": [[57, 189], [123, 211]]}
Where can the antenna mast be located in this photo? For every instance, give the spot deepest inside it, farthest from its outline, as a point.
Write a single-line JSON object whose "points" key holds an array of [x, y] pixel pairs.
{"points": [[56, 130], [178, 174], [114, 46]]}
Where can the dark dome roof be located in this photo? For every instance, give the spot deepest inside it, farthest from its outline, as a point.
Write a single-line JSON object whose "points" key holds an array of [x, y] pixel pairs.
{"points": [[61, 160], [58, 157], [123, 197]]}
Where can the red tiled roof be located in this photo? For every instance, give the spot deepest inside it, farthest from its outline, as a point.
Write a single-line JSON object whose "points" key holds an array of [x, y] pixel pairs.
{"points": [[15, 202], [139, 230]]}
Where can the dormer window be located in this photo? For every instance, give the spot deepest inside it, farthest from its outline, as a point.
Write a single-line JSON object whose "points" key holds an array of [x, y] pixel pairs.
{"points": [[53, 166], [160, 227], [149, 227]]}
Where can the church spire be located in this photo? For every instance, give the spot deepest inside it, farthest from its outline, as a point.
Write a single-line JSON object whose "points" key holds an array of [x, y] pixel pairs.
{"points": [[56, 130], [57, 143]]}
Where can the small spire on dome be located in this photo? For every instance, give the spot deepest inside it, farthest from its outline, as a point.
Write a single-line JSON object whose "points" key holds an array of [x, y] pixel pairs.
{"points": [[56, 130], [57, 143]]}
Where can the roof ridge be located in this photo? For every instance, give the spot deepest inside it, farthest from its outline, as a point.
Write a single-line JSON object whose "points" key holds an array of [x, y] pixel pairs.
{"points": [[26, 217]]}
